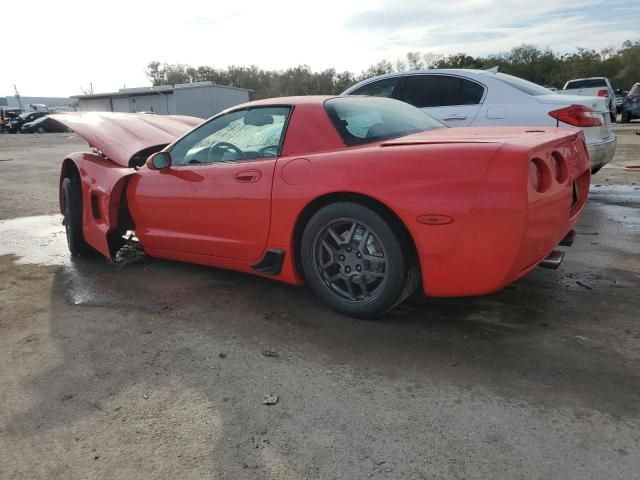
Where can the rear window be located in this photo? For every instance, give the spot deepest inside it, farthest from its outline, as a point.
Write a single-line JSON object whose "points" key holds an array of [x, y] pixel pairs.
{"points": [[586, 83], [381, 88], [361, 120], [524, 86]]}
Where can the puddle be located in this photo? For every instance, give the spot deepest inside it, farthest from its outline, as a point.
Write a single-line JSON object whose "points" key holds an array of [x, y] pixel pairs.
{"points": [[133, 278], [35, 240]]}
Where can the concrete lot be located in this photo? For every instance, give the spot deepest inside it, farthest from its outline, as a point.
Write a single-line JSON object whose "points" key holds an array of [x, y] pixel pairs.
{"points": [[153, 369]]}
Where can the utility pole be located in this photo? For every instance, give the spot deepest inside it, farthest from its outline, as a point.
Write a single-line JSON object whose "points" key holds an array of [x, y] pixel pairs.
{"points": [[17, 96]]}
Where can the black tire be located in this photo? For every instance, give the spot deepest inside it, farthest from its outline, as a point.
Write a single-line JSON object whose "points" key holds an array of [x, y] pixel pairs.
{"points": [[625, 117], [72, 197], [343, 237], [614, 117]]}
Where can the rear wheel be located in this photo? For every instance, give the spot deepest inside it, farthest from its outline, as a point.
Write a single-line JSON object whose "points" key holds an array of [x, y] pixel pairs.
{"points": [[355, 260], [72, 198], [625, 118]]}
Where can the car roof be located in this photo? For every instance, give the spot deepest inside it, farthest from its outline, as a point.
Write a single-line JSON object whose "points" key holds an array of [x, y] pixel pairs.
{"points": [[295, 100], [587, 78], [473, 73], [455, 71]]}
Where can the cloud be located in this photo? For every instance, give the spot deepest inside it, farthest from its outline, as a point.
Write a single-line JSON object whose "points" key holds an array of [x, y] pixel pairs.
{"points": [[111, 42], [482, 27]]}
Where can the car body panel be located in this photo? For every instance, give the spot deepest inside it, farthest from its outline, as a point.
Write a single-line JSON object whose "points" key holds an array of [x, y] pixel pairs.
{"points": [[504, 105], [102, 182], [120, 136], [204, 209], [498, 227]]}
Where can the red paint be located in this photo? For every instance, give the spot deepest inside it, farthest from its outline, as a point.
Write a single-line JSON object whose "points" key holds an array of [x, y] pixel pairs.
{"points": [[434, 219], [119, 136], [296, 171], [493, 226]]}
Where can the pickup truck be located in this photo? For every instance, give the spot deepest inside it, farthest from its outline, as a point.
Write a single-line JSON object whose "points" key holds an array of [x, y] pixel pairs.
{"points": [[593, 87]]}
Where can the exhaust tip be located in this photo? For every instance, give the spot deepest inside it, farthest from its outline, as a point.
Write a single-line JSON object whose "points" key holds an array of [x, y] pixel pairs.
{"points": [[553, 260]]}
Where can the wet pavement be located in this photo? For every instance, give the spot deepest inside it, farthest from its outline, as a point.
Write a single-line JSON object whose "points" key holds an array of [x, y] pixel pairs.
{"points": [[152, 368]]}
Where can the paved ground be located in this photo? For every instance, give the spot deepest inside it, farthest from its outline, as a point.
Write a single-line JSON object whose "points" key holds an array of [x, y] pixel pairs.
{"points": [[153, 369]]}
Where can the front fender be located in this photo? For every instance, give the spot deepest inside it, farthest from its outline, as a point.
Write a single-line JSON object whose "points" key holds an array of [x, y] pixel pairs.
{"points": [[102, 183]]}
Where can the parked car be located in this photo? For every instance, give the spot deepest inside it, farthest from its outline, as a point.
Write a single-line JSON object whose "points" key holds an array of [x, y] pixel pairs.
{"points": [[13, 125], [6, 114], [620, 94], [460, 97], [593, 87], [44, 124], [630, 108], [38, 107], [362, 198]]}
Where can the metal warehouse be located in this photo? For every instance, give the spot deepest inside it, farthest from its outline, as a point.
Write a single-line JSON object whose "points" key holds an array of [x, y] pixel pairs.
{"points": [[199, 99]]}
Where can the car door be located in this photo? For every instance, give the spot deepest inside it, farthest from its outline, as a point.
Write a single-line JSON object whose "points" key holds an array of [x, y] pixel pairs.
{"points": [[453, 100], [215, 197]]}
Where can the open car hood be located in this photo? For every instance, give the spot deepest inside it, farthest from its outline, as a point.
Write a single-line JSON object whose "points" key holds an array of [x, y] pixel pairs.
{"points": [[121, 136]]}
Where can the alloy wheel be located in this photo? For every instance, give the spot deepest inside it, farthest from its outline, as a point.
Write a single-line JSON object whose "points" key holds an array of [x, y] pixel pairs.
{"points": [[350, 260]]}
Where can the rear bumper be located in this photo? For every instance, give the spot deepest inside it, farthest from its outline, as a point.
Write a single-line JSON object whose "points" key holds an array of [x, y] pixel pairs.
{"points": [[509, 231], [601, 153]]}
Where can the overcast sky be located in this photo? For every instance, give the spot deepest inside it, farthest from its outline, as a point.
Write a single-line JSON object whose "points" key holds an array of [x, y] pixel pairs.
{"points": [[57, 47]]}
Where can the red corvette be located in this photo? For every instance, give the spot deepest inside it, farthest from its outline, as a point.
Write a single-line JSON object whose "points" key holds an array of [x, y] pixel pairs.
{"points": [[363, 198]]}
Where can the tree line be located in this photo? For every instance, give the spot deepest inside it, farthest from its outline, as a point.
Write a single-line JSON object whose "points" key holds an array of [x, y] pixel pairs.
{"points": [[545, 67]]}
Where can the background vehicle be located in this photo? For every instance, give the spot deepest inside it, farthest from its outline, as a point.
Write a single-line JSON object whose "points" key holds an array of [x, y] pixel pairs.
{"points": [[461, 97], [359, 197], [620, 94], [43, 125], [37, 107], [630, 108], [593, 87], [6, 114], [13, 125]]}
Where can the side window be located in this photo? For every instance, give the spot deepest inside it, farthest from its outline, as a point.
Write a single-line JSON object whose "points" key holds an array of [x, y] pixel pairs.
{"points": [[381, 88], [440, 90], [236, 136]]}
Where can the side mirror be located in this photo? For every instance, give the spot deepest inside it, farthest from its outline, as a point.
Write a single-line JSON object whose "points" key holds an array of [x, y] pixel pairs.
{"points": [[159, 160]]}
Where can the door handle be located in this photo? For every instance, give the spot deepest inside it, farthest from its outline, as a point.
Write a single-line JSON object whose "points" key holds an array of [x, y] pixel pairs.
{"points": [[248, 176], [453, 116]]}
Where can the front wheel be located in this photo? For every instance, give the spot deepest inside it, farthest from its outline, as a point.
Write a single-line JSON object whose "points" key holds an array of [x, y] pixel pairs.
{"points": [[72, 198], [355, 260]]}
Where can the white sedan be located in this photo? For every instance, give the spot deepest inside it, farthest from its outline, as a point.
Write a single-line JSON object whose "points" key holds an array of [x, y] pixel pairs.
{"points": [[460, 97]]}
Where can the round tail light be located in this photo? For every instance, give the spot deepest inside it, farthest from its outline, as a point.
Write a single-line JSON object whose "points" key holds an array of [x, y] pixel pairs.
{"points": [[559, 168], [538, 175]]}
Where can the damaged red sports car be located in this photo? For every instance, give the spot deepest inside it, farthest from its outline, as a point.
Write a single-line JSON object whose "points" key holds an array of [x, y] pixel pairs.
{"points": [[365, 199]]}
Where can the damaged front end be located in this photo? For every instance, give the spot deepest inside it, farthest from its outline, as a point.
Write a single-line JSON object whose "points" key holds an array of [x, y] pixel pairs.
{"points": [[120, 143]]}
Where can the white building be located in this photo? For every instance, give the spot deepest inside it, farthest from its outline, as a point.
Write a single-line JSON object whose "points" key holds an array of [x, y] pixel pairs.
{"points": [[199, 99]]}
